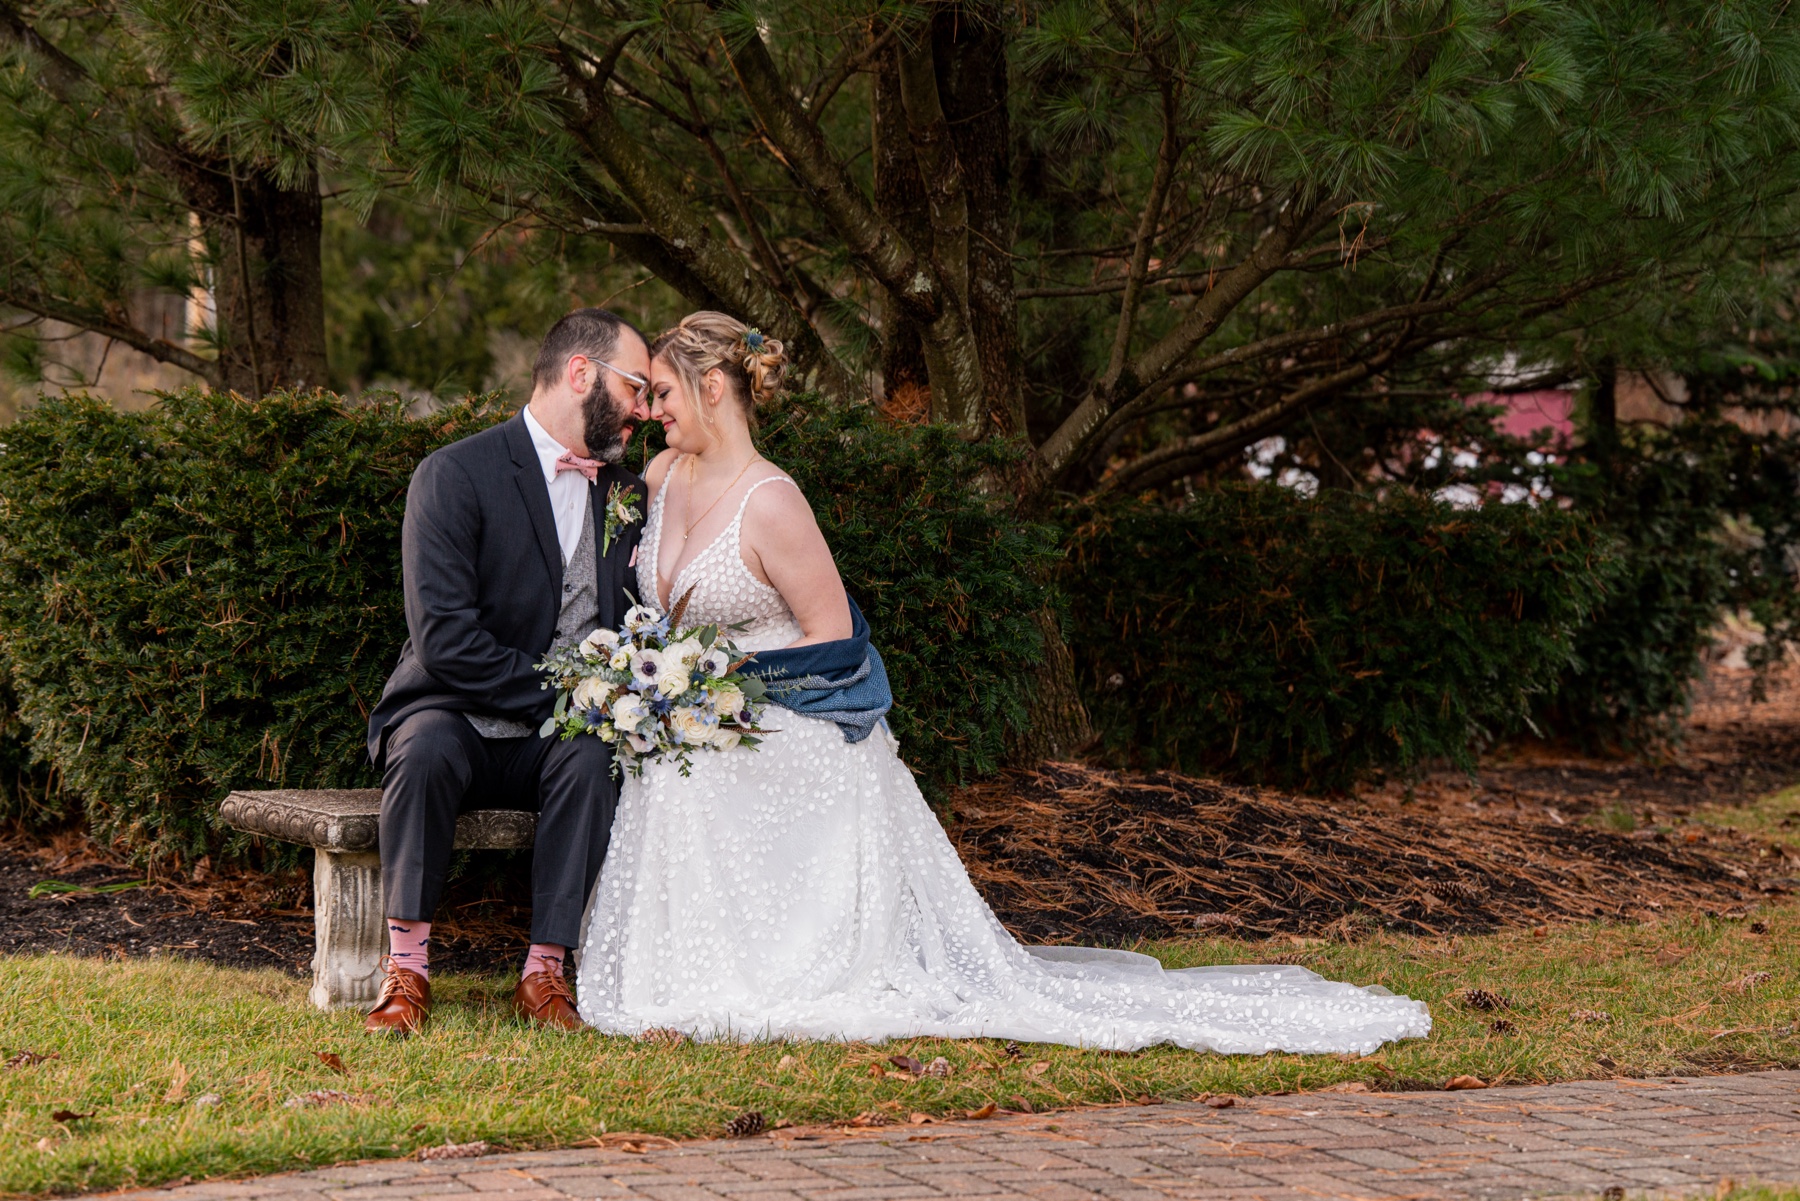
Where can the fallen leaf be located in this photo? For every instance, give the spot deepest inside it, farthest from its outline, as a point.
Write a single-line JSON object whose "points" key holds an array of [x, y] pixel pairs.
{"points": [[629, 1141], [69, 1115], [1670, 956], [179, 1075], [1220, 1102], [1459, 1083], [906, 1063], [472, 1150], [663, 1037], [921, 1119], [1023, 1105], [1540, 931], [939, 1067], [1147, 1099], [47, 1145], [786, 1062], [1038, 1068], [1346, 1086], [986, 1111], [332, 1060], [26, 1059], [984, 1067], [872, 1117], [877, 1071]]}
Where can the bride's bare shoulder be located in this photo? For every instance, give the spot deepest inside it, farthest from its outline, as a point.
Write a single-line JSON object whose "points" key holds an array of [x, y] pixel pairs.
{"points": [[659, 469]]}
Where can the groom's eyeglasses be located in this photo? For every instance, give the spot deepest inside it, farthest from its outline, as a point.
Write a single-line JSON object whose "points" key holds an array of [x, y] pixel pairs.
{"points": [[642, 395]]}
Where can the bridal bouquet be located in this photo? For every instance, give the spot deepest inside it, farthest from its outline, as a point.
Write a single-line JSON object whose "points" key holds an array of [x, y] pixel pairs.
{"points": [[653, 689]]}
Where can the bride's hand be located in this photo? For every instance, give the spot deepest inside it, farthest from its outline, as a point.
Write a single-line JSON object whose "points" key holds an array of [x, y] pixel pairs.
{"points": [[784, 548]]}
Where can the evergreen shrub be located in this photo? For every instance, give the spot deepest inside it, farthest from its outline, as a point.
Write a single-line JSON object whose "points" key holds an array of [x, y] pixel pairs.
{"points": [[950, 580], [1257, 633], [207, 595], [1707, 518]]}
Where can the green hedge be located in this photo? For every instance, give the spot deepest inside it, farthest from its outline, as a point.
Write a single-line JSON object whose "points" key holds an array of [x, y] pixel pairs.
{"points": [[1707, 516], [1312, 642], [207, 595]]}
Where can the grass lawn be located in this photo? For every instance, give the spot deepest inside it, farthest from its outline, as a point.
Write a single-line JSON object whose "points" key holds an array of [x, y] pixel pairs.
{"points": [[187, 1070]]}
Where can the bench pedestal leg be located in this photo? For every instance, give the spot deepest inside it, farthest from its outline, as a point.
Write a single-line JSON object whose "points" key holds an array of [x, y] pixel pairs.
{"points": [[350, 930]]}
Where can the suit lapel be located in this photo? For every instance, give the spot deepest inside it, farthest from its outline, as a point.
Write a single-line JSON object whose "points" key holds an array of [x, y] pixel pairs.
{"points": [[536, 497]]}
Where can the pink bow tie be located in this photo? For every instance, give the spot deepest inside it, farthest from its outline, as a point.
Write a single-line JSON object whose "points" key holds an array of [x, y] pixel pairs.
{"points": [[570, 461]]}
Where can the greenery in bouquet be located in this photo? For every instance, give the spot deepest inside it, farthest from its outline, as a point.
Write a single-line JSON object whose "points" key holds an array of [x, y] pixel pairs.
{"points": [[653, 690]]}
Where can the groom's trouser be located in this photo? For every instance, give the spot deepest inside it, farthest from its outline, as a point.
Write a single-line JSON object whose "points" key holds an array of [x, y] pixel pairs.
{"points": [[438, 767]]}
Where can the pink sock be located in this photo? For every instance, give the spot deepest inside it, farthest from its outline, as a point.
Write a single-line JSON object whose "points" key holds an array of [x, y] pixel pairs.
{"points": [[409, 945], [544, 957]]}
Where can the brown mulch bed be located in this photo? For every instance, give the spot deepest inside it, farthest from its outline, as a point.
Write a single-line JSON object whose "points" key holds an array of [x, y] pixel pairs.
{"points": [[1070, 852], [236, 919]]}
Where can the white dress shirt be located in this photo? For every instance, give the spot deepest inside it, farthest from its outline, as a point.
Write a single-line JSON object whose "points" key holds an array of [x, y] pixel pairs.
{"points": [[568, 489]]}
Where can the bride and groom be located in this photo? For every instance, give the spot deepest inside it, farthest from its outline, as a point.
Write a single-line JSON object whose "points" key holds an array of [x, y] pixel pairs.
{"points": [[802, 889]]}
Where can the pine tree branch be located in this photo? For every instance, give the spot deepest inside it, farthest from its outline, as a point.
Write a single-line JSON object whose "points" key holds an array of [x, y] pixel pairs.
{"points": [[1145, 373], [97, 322], [684, 236], [1167, 154], [953, 360], [1203, 450]]}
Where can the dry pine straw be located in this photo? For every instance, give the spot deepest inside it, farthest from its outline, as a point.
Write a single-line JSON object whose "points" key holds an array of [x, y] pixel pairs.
{"points": [[140, 1045], [1072, 853]]}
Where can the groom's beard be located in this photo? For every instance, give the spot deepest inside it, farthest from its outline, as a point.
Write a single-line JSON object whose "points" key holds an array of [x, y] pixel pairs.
{"points": [[605, 425]]}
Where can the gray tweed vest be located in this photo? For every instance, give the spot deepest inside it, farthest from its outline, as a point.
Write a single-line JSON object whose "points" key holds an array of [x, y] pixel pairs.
{"points": [[579, 618]]}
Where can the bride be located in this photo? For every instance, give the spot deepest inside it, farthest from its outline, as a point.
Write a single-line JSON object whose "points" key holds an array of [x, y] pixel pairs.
{"points": [[804, 889]]}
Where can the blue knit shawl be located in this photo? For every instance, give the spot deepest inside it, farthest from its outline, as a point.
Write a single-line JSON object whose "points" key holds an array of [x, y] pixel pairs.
{"points": [[841, 681]]}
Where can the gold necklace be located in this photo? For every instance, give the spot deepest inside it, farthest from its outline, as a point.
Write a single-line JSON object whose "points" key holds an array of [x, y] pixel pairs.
{"points": [[689, 532]]}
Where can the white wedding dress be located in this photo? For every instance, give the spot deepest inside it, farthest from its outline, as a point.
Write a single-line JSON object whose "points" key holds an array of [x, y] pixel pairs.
{"points": [[804, 889]]}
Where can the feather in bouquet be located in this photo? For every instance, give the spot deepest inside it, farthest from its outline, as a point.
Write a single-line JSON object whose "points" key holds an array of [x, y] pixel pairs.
{"points": [[655, 690]]}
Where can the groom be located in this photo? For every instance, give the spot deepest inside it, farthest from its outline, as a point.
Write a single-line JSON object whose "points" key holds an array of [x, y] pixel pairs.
{"points": [[503, 558]]}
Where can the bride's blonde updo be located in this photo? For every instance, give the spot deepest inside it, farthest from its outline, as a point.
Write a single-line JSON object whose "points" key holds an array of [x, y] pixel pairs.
{"points": [[752, 364]]}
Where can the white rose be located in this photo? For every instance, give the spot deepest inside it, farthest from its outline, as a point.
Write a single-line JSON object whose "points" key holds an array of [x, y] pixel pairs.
{"points": [[725, 740], [727, 701], [686, 651], [694, 726], [592, 693], [600, 644], [621, 659], [629, 711]]}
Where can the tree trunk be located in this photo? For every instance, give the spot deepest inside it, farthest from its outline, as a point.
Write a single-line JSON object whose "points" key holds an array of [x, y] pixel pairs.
{"points": [[269, 284], [1058, 723], [900, 198], [970, 52]]}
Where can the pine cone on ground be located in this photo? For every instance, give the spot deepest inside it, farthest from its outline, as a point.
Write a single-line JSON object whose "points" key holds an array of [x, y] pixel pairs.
{"points": [[745, 1124], [1481, 998]]}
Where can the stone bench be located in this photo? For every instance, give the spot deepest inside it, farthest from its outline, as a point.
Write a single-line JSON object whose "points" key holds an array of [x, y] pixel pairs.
{"points": [[342, 826]]}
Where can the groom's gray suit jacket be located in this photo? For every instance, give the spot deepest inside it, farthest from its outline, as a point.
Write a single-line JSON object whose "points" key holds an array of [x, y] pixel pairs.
{"points": [[484, 581]]}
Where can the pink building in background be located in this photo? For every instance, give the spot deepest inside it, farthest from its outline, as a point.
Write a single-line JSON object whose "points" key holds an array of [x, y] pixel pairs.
{"points": [[1528, 413]]}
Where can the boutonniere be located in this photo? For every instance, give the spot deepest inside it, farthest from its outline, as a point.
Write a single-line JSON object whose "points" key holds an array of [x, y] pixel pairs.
{"points": [[621, 511]]}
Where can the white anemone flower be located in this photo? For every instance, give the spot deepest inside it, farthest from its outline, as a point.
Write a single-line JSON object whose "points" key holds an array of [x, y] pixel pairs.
{"points": [[648, 668], [639, 616], [715, 662]]}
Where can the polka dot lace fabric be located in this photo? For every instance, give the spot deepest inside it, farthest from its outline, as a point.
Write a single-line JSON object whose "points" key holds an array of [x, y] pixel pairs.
{"points": [[804, 889]]}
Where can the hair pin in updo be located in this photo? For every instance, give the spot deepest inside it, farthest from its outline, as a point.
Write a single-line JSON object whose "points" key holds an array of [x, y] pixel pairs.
{"points": [[753, 340]]}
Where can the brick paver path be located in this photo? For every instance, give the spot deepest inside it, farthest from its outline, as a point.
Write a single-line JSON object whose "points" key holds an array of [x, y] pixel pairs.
{"points": [[1655, 1137]]}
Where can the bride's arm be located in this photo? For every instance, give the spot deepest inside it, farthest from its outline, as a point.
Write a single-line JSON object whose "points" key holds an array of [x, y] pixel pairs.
{"points": [[784, 548]]}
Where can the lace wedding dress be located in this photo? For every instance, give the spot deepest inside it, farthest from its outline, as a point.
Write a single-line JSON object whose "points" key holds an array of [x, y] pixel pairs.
{"points": [[804, 889]]}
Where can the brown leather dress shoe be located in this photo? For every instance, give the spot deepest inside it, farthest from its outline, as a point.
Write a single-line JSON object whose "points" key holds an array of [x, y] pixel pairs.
{"points": [[404, 1004], [544, 998]]}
